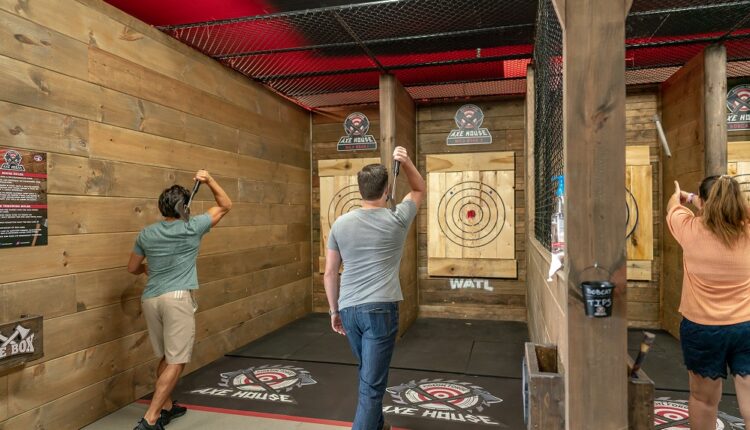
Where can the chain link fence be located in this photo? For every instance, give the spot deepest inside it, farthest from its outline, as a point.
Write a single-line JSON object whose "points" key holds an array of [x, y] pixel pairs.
{"points": [[548, 121]]}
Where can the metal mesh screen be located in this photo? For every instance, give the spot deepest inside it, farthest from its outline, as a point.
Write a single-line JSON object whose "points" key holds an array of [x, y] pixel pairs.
{"points": [[548, 121]]}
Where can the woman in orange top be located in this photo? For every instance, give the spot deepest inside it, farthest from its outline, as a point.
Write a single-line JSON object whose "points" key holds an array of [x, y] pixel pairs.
{"points": [[715, 303]]}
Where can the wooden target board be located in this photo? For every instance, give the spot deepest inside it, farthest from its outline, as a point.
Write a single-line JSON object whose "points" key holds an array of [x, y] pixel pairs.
{"points": [[339, 194], [639, 204], [738, 157], [471, 215]]}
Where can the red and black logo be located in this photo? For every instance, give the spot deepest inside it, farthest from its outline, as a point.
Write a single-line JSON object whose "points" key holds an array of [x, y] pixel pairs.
{"points": [[469, 120], [272, 379], [674, 415], [738, 103], [13, 161], [356, 126], [442, 400]]}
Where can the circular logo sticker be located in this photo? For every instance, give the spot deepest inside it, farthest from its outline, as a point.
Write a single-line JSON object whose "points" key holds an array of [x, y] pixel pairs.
{"points": [[738, 99], [356, 124], [469, 117]]}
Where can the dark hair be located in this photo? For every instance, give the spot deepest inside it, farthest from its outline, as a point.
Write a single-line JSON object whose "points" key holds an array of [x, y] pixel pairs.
{"points": [[170, 197], [725, 210], [372, 180]]}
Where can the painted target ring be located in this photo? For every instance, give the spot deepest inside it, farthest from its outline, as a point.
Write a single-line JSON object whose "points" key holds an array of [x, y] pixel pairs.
{"points": [[275, 378], [344, 200], [671, 415], [471, 214], [441, 396], [632, 213]]}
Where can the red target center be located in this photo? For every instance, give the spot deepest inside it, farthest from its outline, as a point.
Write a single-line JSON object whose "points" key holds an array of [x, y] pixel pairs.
{"points": [[471, 214]]}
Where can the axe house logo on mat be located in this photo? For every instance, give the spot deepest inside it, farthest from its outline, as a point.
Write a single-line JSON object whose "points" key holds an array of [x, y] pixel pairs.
{"points": [[672, 414], [437, 399], [266, 383], [356, 126], [20, 342]]}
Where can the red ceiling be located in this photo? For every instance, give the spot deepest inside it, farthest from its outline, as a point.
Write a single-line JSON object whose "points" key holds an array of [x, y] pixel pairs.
{"points": [[173, 12], [438, 58]]}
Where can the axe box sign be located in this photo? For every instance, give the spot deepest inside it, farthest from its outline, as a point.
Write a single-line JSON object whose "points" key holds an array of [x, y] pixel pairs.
{"points": [[20, 341]]}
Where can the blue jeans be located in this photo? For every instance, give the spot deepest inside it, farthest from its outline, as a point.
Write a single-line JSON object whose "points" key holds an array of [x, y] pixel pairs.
{"points": [[371, 329]]}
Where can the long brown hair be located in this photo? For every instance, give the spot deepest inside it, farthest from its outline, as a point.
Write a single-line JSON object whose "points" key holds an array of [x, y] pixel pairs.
{"points": [[725, 210]]}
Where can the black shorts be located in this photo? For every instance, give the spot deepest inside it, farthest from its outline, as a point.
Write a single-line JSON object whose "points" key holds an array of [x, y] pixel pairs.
{"points": [[709, 349]]}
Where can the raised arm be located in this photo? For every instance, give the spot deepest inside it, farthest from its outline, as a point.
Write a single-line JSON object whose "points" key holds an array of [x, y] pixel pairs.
{"points": [[416, 182], [223, 202]]}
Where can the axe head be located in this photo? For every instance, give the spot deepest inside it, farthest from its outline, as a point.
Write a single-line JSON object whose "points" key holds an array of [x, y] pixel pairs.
{"points": [[184, 211], [23, 332]]}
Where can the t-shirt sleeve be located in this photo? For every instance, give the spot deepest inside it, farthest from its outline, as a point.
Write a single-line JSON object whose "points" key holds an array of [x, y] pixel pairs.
{"points": [[138, 247], [679, 219], [333, 245], [406, 211], [201, 224]]}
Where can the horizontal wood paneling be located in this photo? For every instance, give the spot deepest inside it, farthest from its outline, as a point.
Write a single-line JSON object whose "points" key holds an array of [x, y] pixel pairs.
{"points": [[125, 111]]}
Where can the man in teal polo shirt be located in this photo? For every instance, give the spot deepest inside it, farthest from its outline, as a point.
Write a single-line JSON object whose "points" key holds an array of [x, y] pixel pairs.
{"points": [[171, 247]]}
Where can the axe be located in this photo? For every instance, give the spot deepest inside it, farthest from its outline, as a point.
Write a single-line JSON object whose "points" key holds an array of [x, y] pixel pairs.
{"points": [[648, 340], [392, 197], [184, 208], [23, 332]]}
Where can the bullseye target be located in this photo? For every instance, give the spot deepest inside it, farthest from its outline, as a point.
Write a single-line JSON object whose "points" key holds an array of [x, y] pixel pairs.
{"points": [[674, 415], [344, 200], [471, 214]]}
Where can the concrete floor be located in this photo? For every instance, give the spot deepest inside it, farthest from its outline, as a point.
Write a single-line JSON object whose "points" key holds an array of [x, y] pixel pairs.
{"points": [[127, 418]]}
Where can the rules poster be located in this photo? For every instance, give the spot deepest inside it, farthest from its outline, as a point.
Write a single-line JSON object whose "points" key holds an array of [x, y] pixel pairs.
{"points": [[23, 198]]}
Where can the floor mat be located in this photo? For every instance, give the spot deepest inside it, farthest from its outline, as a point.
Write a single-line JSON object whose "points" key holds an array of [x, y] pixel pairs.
{"points": [[671, 412], [415, 399], [664, 363]]}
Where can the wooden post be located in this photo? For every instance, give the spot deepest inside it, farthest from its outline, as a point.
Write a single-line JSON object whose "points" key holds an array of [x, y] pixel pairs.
{"points": [[398, 127], [594, 140], [694, 119], [715, 89]]}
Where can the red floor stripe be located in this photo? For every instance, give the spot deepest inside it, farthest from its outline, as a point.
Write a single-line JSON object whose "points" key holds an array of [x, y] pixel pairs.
{"points": [[266, 415]]}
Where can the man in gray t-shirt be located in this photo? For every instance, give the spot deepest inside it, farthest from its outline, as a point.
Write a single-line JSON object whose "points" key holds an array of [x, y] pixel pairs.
{"points": [[370, 241]]}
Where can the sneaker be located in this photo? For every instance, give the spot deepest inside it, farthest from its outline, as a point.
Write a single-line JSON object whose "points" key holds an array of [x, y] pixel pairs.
{"points": [[168, 415], [144, 425]]}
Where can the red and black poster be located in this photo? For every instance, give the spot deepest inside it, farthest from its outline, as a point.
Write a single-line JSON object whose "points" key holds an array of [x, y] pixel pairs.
{"points": [[23, 198]]}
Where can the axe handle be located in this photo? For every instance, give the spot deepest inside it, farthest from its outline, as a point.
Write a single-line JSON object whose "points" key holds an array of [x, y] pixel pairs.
{"points": [[396, 168], [194, 192]]}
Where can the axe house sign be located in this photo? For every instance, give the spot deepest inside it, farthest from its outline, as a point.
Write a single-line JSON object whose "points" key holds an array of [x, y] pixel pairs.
{"points": [[20, 341]]}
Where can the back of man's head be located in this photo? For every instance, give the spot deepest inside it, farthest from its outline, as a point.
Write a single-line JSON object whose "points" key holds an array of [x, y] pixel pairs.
{"points": [[372, 180], [170, 197]]}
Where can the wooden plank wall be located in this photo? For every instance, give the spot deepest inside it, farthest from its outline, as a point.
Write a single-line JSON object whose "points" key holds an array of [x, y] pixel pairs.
{"points": [[327, 129], [124, 111], [643, 296], [507, 301]]}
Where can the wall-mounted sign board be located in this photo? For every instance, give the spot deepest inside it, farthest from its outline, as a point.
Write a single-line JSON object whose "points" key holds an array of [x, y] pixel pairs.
{"points": [[23, 198]]}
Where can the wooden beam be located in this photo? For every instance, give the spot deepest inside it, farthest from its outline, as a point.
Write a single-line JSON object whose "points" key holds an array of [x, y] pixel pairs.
{"points": [[715, 88], [594, 131], [398, 127]]}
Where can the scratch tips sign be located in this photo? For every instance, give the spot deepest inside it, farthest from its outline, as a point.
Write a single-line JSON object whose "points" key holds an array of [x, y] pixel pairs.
{"points": [[469, 120], [356, 126], [738, 104], [23, 198]]}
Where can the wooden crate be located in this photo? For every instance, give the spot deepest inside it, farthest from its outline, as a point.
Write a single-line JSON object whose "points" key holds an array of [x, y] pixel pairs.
{"points": [[544, 388], [640, 400]]}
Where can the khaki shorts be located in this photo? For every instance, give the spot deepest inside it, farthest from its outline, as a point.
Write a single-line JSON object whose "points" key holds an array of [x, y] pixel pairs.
{"points": [[171, 325]]}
